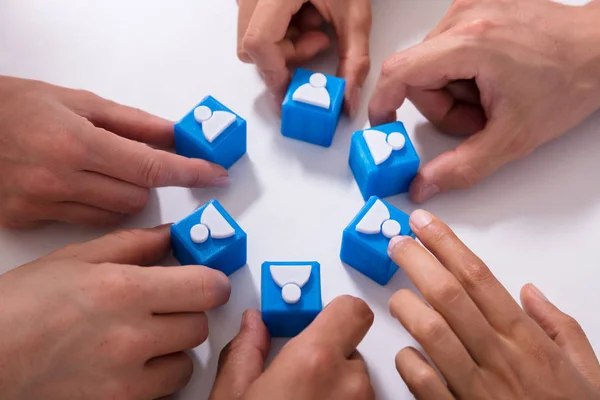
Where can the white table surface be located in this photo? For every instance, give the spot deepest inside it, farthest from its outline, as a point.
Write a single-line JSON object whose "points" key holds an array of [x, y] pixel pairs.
{"points": [[536, 220]]}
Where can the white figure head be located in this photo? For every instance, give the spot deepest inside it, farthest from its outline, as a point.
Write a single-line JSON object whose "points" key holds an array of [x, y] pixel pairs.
{"points": [[291, 279], [381, 145], [202, 114], [213, 123], [212, 224], [377, 220], [314, 92]]}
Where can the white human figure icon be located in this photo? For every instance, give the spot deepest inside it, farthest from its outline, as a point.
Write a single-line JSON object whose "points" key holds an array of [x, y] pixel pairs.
{"points": [[377, 220], [213, 123], [291, 280], [212, 224], [314, 93], [381, 145]]}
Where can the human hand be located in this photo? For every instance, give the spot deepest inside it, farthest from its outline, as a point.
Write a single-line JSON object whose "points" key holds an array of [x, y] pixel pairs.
{"points": [[511, 74], [71, 156], [320, 363], [482, 342], [276, 33], [86, 322]]}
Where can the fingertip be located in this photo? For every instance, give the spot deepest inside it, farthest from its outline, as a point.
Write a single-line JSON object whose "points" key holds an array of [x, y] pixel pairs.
{"points": [[420, 219], [396, 242]]}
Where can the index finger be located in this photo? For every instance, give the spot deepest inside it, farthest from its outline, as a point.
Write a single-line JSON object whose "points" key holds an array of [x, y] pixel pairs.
{"points": [[429, 65], [342, 325], [144, 166], [267, 27], [184, 289]]}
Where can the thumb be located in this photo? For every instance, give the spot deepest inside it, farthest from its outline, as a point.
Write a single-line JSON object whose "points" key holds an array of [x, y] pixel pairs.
{"points": [[242, 361], [474, 159], [564, 331]]}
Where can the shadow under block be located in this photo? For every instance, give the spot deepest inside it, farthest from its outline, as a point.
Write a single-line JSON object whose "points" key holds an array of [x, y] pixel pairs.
{"points": [[367, 252], [301, 281], [220, 139], [210, 237], [383, 160], [308, 122]]}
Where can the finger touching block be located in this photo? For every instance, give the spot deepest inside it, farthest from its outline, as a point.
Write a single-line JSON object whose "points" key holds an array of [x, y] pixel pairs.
{"points": [[212, 132], [383, 160], [290, 296], [210, 237], [365, 241], [312, 106]]}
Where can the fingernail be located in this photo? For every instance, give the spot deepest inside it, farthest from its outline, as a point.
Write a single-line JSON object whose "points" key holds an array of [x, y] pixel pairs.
{"points": [[538, 293], [394, 242], [222, 288], [244, 319], [426, 192], [221, 181], [420, 219]]}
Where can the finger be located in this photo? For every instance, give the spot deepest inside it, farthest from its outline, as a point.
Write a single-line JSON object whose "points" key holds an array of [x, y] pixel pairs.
{"points": [[493, 300], [473, 160], [128, 122], [341, 325], [430, 329], [564, 331], [420, 377], [242, 361], [136, 247], [305, 47], [451, 109], [267, 27], [246, 9], [429, 65], [184, 289], [308, 18], [143, 166], [166, 375], [80, 214], [447, 296], [106, 193], [353, 33], [172, 333]]}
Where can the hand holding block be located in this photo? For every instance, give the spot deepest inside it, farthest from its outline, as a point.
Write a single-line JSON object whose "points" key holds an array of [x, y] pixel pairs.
{"points": [[383, 160], [365, 241], [211, 132], [290, 296], [312, 106], [210, 237]]}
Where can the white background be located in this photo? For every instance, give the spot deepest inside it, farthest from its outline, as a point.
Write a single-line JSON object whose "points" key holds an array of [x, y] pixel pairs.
{"points": [[537, 220]]}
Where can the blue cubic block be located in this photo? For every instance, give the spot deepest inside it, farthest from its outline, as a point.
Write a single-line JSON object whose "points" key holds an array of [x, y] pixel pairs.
{"points": [[210, 237], [211, 132], [311, 112], [291, 296], [383, 160], [365, 241]]}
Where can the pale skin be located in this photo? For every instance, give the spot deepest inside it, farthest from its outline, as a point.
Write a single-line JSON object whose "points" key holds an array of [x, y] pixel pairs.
{"points": [[71, 156], [490, 71], [97, 321]]}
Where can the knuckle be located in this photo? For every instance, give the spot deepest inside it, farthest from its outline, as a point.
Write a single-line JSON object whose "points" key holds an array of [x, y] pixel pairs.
{"points": [[113, 287], [479, 28], [139, 201], [252, 42], [572, 327], [125, 343], [40, 182], [430, 330], [151, 171], [476, 275], [318, 360], [359, 386], [421, 378], [390, 65], [466, 175], [447, 291]]}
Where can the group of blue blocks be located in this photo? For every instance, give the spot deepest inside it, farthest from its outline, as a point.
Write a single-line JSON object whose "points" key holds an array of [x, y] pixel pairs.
{"points": [[382, 159]]}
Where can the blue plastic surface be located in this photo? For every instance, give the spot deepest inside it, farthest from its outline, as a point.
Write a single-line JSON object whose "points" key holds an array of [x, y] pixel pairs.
{"points": [[368, 253], [227, 255], [310, 123], [288, 320], [225, 150], [389, 178]]}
